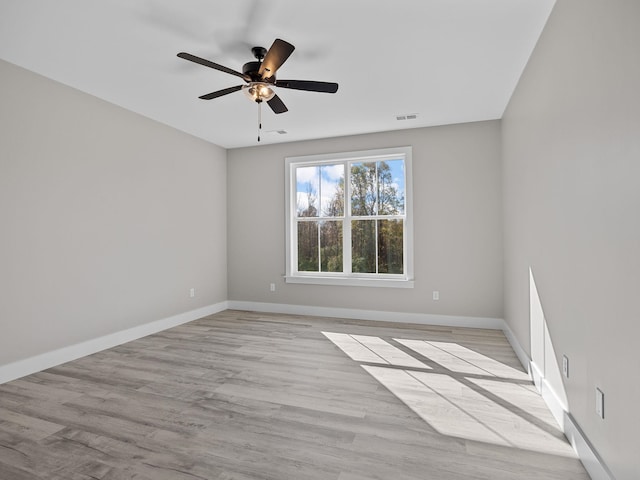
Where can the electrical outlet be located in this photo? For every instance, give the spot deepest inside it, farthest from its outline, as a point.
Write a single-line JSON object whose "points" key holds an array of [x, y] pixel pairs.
{"points": [[192, 292], [565, 366], [599, 403], [436, 295], [272, 287]]}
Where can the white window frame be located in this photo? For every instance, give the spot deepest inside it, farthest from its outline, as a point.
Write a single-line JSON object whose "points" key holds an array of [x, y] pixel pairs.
{"points": [[339, 278]]}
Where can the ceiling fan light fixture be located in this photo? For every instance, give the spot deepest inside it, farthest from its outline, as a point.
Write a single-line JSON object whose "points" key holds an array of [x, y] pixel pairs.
{"points": [[259, 91]]}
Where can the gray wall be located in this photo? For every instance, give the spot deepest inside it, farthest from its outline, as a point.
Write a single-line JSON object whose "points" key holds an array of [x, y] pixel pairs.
{"points": [[571, 152], [107, 218], [457, 223]]}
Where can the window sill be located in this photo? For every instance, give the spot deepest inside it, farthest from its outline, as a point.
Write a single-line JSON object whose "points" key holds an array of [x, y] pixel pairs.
{"points": [[350, 282]]}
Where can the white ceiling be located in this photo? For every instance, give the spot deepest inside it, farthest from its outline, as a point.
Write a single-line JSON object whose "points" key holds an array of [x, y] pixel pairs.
{"points": [[448, 61]]}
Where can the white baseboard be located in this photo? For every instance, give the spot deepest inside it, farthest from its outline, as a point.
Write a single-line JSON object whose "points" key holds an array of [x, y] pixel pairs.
{"points": [[556, 406], [517, 348], [46, 360], [588, 456], [594, 466], [351, 313], [536, 375]]}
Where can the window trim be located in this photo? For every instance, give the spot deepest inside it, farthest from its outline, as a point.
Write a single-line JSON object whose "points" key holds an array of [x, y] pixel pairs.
{"points": [[353, 279]]}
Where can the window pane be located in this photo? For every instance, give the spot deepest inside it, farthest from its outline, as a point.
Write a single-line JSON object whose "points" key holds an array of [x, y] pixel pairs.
{"points": [[332, 190], [391, 187], [390, 244], [363, 246], [348, 218], [307, 187], [308, 246], [331, 246], [363, 189]]}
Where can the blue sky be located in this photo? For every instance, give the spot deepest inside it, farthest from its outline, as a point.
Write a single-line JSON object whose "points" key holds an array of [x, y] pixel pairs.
{"points": [[323, 182]]}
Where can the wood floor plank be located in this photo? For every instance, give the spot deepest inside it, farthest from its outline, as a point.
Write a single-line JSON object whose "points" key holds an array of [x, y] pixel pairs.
{"points": [[255, 396]]}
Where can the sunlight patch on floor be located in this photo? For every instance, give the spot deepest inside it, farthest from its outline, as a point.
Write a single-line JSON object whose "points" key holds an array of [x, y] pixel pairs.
{"points": [[362, 348], [435, 402], [459, 391], [458, 358]]}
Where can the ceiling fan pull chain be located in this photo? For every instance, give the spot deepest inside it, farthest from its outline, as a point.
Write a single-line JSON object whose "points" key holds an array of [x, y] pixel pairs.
{"points": [[259, 118]]}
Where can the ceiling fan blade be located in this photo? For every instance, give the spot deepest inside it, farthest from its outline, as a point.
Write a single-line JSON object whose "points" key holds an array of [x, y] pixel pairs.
{"points": [[308, 85], [220, 93], [276, 105], [207, 63], [275, 57]]}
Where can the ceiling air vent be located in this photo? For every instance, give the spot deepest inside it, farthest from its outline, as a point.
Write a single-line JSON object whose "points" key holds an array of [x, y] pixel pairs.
{"points": [[407, 116]]}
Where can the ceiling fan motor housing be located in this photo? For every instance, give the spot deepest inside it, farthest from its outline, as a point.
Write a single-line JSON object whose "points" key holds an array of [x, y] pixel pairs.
{"points": [[251, 69]]}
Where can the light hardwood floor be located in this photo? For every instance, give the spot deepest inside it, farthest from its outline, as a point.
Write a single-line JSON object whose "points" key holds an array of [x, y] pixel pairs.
{"points": [[242, 395]]}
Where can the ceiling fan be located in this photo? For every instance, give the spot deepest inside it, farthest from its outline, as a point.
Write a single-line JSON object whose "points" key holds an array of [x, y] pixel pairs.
{"points": [[260, 77]]}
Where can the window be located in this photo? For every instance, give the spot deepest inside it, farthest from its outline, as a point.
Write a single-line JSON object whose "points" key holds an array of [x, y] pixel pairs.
{"points": [[349, 218]]}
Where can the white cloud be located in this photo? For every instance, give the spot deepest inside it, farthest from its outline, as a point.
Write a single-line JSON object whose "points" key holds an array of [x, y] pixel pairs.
{"points": [[333, 172], [304, 175]]}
